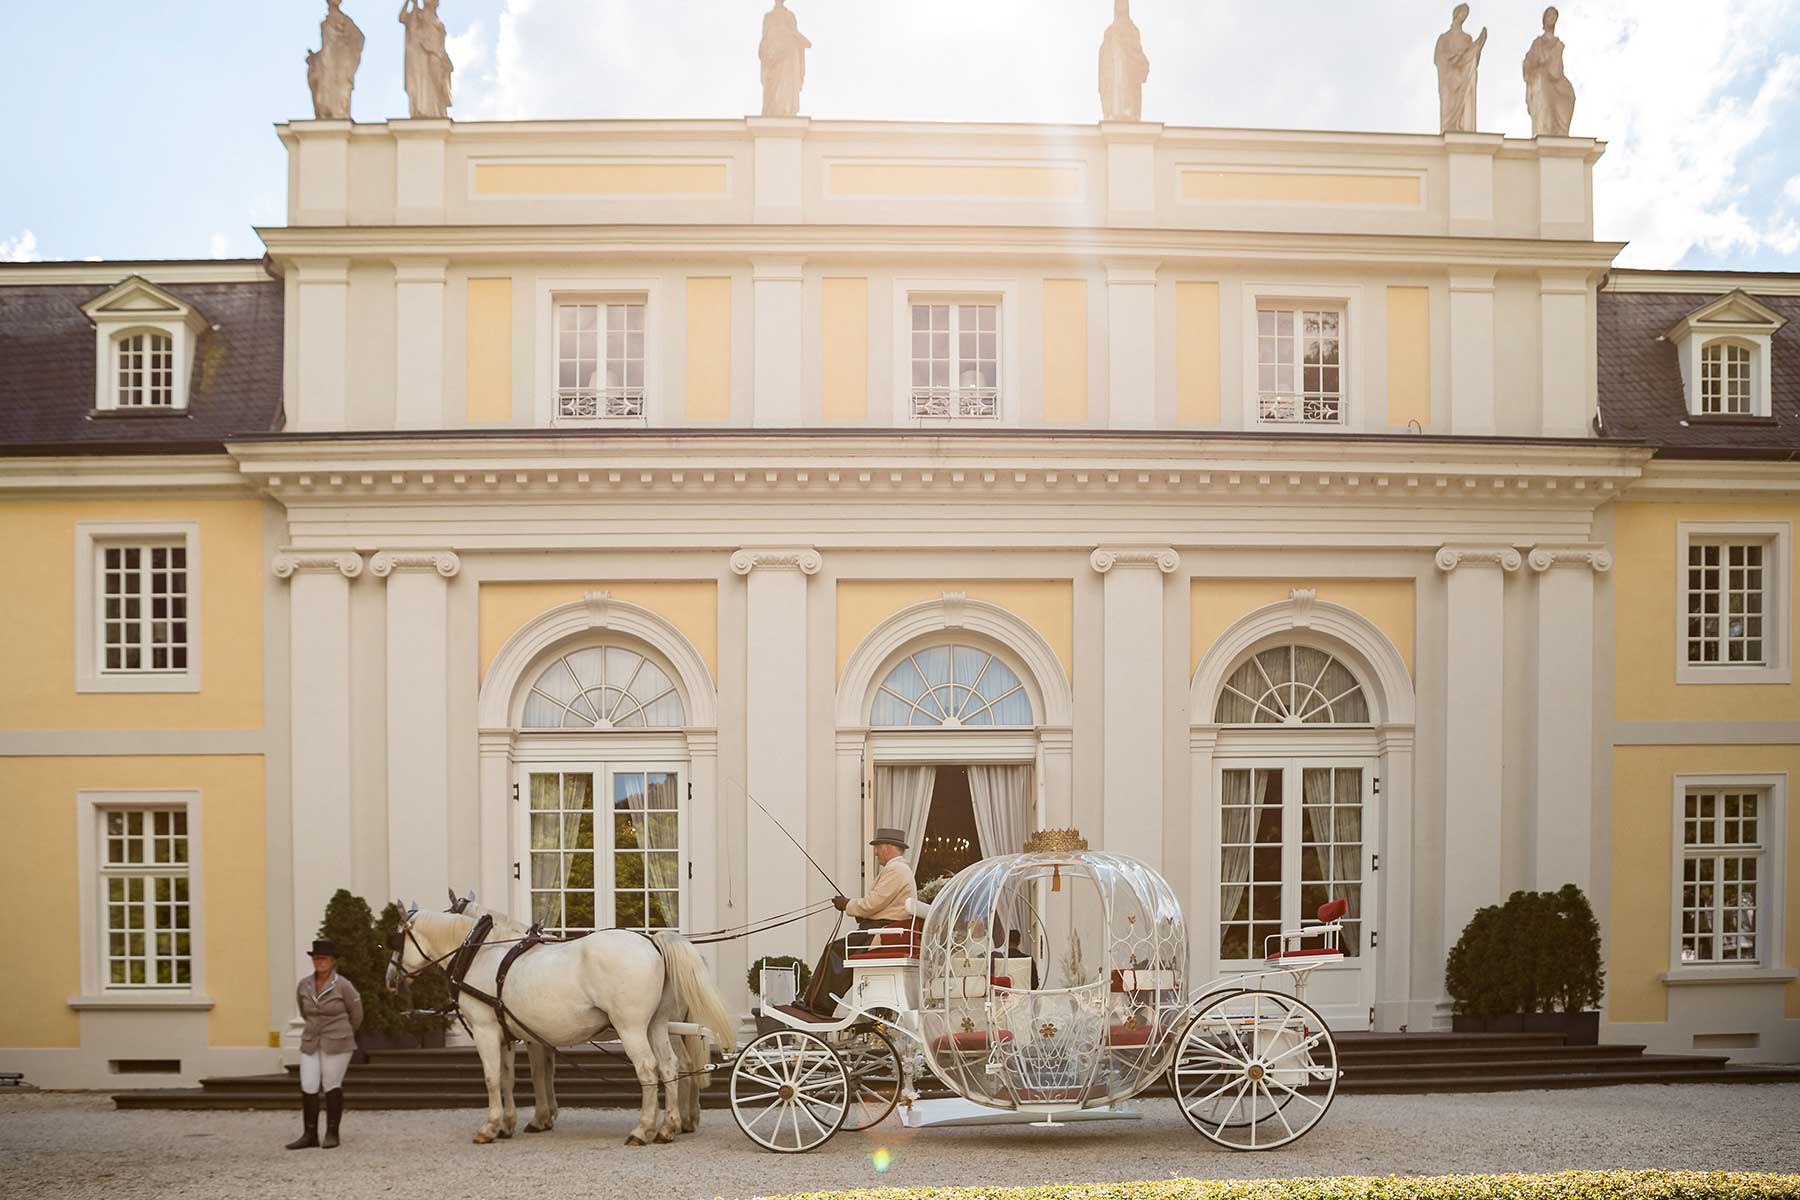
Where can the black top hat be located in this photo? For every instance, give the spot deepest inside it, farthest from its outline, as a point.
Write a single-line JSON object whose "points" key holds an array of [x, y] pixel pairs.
{"points": [[324, 948], [889, 837]]}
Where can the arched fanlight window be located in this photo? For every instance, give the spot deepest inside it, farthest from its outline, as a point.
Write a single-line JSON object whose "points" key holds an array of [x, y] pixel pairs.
{"points": [[951, 687], [605, 687], [1292, 685]]}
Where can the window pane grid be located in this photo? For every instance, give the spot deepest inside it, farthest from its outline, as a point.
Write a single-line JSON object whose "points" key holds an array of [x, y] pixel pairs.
{"points": [[646, 850], [143, 608], [1725, 379], [147, 926], [562, 852], [1299, 364], [146, 371], [599, 361], [956, 361], [1331, 847], [1251, 848], [1721, 875], [1726, 603]]}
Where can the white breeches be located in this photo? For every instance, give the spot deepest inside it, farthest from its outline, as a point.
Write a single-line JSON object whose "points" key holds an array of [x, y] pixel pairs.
{"points": [[323, 1072]]}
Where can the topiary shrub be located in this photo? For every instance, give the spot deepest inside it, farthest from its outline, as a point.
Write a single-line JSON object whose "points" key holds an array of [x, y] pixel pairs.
{"points": [[779, 960], [1579, 978], [362, 959], [1474, 974], [1537, 953]]}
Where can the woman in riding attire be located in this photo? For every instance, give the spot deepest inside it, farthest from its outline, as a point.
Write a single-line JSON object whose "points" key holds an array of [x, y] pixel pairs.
{"points": [[333, 1011]]}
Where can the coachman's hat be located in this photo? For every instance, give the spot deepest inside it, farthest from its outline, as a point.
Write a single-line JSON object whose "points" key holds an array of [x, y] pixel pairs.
{"points": [[324, 948], [889, 837]]}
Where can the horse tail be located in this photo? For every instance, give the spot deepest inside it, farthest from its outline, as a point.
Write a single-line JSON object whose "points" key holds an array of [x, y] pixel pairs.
{"points": [[687, 973]]}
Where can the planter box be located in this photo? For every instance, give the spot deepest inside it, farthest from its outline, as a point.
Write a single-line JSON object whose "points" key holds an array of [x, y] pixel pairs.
{"points": [[1578, 1029]]}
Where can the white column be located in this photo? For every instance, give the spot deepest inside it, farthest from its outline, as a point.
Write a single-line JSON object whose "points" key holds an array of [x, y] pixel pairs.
{"points": [[1562, 815], [848, 788], [775, 737], [324, 331], [419, 178], [418, 720], [419, 343], [780, 346], [1564, 321], [1203, 854], [1133, 677], [1131, 344], [495, 889], [1395, 1005], [1474, 663], [319, 709], [1472, 352], [703, 910], [1056, 759]]}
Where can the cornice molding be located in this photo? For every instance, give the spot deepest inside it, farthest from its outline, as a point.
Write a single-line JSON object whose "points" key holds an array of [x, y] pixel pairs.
{"points": [[289, 563], [805, 560], [1449, 558], [1163, 558], [153, 475], [1595, 558], [389, 562]]}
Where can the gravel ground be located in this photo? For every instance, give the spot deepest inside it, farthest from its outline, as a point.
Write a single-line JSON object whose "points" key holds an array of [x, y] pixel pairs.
{"points": [[57, 1145]]}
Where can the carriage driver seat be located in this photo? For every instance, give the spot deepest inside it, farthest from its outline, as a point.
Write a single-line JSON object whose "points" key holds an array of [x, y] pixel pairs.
{"points": [[1290, 945]]}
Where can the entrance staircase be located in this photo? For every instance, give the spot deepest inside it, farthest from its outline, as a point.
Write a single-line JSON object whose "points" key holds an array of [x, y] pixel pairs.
{"points": [[1371, 1062]]}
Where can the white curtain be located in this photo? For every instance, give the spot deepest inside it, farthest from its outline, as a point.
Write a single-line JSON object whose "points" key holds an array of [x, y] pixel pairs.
{"points": [[1001, 797], [1234, 832], [903, 801]]}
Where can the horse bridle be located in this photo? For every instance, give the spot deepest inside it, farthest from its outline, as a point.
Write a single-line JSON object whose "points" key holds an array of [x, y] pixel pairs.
{"points": [[397, 944]]}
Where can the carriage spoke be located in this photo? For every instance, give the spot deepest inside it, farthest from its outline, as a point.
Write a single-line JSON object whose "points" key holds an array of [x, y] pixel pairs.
{"points": [[1278, 1112], [1232, 1111], [1308, 1044], [1296, 1093]]}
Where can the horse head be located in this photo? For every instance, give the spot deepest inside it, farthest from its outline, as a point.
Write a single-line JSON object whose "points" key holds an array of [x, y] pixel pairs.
{"points": [[405, 958]]}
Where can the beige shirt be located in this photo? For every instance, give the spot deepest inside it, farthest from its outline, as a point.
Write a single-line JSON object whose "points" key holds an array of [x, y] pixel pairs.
{"points": [[332, 1017], [886, 901]]}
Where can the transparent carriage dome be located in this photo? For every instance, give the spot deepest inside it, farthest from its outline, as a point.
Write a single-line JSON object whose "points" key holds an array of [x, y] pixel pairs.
{"points": [[1052, 980]]}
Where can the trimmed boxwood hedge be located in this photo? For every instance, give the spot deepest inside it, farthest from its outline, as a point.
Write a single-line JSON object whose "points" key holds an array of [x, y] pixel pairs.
{"points": [[1566, 1185]]}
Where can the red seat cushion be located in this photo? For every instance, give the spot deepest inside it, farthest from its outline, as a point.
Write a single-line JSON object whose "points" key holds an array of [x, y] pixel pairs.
{"points": [[1333, 910], [896, 939], [965, 1042], [1130, 1035]]}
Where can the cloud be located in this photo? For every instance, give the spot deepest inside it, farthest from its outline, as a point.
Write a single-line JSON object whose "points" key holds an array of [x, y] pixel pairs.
{"points": [[220, 246], [23, 248]]}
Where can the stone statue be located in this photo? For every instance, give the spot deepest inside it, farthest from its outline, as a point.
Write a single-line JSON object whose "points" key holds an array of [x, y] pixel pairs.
{"points": [[428, 64], [1123, 68], [331, 69], [783, 54], [1549, 95], [1458, 58]]}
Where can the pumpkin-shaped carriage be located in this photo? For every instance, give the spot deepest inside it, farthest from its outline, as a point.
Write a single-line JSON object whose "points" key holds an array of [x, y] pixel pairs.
{"points": [[1045, 984]]}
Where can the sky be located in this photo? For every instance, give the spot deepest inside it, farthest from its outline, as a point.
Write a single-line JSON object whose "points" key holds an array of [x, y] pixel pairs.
{"points": [[145, 130]]}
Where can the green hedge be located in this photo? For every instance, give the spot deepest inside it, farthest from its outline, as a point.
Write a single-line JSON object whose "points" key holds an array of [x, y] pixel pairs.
{"points": [[1568, 1185]]}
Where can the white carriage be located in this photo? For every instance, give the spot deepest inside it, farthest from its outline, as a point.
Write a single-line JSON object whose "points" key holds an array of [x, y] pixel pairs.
{"points": [[994, 995]]}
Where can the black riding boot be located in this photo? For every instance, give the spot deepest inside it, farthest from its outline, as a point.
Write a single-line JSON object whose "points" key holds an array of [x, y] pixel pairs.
{"points": [[334, 1113], [309, 1113]]}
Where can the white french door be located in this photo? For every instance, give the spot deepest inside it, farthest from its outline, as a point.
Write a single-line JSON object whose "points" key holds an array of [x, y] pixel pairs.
{"points": [[1293, 835], [603, 846]]}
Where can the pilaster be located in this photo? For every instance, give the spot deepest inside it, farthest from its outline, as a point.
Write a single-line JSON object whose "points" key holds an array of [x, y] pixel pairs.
{"points": [[324, 328], [1133, 582], [780, 168], [1562, 816], [1471, 158], [322, 173], [1131, 343], [419, 179], [1130, 172], [1472, 353], [419, 343], [780, 344], [1565, 319], [704, 911]]}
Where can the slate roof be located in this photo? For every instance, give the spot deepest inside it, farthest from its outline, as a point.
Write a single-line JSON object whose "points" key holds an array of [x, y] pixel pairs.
{"points": [[47, 365], [1640, 379]]}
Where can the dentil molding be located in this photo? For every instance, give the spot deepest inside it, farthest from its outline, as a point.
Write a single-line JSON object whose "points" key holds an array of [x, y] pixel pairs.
{"points": [[806, 561], [347, 563], [1505, 557], [444, 562], [1597, 558], [1162, 558]]}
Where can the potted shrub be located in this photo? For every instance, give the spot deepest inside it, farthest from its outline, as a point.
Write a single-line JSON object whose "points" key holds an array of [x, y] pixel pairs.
{"points": [[1530, 965]]}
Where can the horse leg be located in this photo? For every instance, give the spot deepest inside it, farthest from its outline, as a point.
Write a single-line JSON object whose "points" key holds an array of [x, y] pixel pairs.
{"points": [[509, 1106], [543, 1112], [668, 1093], [698, 1057], [644, 1061], [487, 1043]]}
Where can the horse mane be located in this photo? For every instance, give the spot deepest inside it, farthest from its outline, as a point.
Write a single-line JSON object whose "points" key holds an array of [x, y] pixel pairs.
{"points": [[442, 929]]}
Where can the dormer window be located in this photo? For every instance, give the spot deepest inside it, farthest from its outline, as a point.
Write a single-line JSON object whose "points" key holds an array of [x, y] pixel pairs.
{"points": [[1724, 350], [1725, 379], [145, 343]]}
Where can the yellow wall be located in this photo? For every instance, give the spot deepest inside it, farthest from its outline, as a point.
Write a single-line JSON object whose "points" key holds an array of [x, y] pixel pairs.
{"points": [[844, 349], [38, 863], [1385, 603], [994, 180], [1047, 605], [1409, 356], [490, 349], [599, 179], [1065, 350], [1643, 871], [1299, 187], [708, 349], [1197, 353], [37, 592], [1644, 619], [691, 606]]}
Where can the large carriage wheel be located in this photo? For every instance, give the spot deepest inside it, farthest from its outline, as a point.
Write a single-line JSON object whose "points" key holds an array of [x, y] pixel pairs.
{"points": [[1255, 1070], [789, 1091], [873, 1065]]}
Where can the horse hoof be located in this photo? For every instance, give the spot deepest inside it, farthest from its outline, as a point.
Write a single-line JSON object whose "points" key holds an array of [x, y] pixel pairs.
{"points": [[634, 1140], [534, 1127], [664, 1139], [506, 1133], [482, 1139]]}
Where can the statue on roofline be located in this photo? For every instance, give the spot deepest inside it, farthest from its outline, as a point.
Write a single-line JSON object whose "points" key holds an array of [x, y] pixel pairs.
{"points": [[1549, 95], [783, 55], [331, 69], [1458, 58], [1123, 68], [428, 65]]}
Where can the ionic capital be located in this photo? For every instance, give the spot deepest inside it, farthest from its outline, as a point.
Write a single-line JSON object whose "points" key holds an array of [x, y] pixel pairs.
{"points": [[806, 560], [289, 563], [1505, 557], [1162, 558], [1597, 558], [388, 562]]}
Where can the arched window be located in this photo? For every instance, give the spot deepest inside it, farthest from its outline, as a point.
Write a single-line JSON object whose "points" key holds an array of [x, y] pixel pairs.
{"points": [[1725, 378], [604, 687], [145, 369], [950, 687], [1292, 685]]}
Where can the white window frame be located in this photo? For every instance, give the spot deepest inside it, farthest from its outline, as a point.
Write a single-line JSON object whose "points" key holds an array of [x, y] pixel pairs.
{"points": [[1771, 884], [599, 289], [137, 306], [96, 993], [90, 538], [116, 364], [1001, 292], [1777, 666], [1348, 299], [1752, 377]]}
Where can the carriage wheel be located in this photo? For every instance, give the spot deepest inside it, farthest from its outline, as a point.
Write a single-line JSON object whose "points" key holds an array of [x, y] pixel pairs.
{"points": [[873, 1065], [1255, 1070], [789, 1091]]}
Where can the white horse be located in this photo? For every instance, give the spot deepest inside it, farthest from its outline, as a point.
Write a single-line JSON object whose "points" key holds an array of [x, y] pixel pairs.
{"points": [[566, 993], [695, 1058]]}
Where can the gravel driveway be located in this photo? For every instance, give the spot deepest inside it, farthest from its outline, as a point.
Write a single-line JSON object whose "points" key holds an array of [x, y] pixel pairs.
{"points": [[78, 1145]]}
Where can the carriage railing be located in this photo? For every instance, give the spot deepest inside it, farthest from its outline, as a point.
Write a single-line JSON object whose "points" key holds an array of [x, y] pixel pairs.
{"points": [[1290, 949]]}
